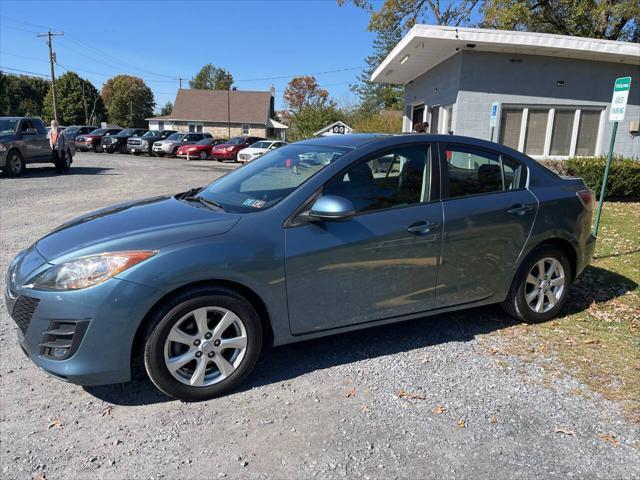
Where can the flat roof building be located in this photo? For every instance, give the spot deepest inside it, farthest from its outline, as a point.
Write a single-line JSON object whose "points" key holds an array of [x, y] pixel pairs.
{"points": [[553, 91]]}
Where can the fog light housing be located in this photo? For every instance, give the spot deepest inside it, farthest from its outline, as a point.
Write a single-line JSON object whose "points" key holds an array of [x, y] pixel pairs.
{"points": [[63, 339]]}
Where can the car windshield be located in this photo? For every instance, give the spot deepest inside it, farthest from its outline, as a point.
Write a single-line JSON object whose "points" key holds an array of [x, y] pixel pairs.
{"points": [[152, 133], [8, 126], [71, 130], [98, 131], [127, 131], [261, 145], [237, 141], [175, 136], [205, 141], [264, 182]]}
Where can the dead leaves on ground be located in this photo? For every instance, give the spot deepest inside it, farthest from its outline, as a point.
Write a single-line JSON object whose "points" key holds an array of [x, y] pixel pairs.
{"points": [[351, 393], [410, 396], [107, 410], [565, 431], [440, 409], [462, 423], [57, 424], [610, 439]]}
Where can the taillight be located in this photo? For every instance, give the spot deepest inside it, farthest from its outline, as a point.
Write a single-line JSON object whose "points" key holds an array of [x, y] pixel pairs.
{"points": [[588, 198]]}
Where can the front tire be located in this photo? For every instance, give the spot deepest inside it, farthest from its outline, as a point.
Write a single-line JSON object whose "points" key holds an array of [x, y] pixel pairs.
{"points": [[540, 288], [204, 155], [202, 343], [14, 165]]}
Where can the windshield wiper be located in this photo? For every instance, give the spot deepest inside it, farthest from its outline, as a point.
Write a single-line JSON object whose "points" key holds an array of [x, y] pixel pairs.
{"points": [[189, 193], [211, 203]]}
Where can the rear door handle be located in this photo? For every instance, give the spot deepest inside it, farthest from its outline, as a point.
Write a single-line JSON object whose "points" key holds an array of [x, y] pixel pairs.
{"points": [[520, 209], [421, 228]]}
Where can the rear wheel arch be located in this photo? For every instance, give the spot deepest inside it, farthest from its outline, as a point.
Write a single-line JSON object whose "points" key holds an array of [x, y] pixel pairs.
{"points": [[137, 347], [567, 248]]}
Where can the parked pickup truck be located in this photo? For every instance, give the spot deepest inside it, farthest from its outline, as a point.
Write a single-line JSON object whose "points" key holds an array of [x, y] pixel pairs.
{"points": [[24, 140], [118, 142], [93, 140], [138, 145]]}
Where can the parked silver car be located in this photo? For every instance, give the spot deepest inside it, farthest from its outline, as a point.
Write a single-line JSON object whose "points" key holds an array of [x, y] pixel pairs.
{"points": [[24, 140], [170, 145]]}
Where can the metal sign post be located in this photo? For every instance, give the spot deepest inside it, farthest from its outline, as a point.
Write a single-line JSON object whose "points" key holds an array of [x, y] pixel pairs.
{"points": [[618, 106], [494, 117]]}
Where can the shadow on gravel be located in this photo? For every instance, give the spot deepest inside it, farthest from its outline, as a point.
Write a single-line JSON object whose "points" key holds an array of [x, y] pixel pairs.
{"points": [[290, 361], [43, 172]]}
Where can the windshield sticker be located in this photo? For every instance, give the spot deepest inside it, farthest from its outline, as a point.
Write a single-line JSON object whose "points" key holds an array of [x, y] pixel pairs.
{"points": [[251, 202]]}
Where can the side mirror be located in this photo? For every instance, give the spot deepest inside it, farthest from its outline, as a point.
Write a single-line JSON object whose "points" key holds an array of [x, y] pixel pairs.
{"points": [[30, 131], [331, 208]]}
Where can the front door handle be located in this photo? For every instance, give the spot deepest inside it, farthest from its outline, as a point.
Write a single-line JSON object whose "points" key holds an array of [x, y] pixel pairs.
{"points": [[520, 209], [422, 228]]}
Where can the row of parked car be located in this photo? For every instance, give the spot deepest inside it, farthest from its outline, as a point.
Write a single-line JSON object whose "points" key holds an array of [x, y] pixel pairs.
{"points": [[160, 143]]}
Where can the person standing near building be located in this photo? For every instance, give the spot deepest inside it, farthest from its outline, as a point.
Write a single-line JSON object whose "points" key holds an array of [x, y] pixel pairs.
{"points": [[421, 127]]}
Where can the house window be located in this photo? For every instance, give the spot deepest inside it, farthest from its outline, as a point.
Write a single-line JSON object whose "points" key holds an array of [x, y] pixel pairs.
{"points": [[195, 127], [510, 123], [551, 131], [245, 128], [417, 115], [536, 132], [435, 119], [587, 133], [561, 133]]}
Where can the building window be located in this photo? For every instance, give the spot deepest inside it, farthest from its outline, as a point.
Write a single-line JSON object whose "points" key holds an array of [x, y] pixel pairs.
{"points": [[561, 133], [552, 131], [587, 133], [435, 119], [417, 115], [448, 119], [510, 124], [536, 132], [195, 127], [245, 128]]}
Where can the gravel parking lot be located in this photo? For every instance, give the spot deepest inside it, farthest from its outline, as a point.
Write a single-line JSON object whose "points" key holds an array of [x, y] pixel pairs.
{"points": [[428, 398]]}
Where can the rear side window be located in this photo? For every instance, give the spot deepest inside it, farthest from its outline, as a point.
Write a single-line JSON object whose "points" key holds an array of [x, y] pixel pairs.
{"points": [[473, 171]]}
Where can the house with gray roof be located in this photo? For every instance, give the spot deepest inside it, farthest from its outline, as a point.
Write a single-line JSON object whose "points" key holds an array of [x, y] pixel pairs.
{"points": [[223, 113]]}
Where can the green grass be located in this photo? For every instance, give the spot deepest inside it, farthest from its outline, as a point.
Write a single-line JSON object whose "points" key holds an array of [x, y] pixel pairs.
{"points": [[598, 337]]}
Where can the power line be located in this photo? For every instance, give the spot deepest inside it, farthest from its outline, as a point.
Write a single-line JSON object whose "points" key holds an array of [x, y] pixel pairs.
{"points": [[15, 20], [24, 71], [299, 75]]}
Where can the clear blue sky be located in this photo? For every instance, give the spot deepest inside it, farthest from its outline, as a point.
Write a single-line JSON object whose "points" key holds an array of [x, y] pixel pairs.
{"points": [[163, 40]]}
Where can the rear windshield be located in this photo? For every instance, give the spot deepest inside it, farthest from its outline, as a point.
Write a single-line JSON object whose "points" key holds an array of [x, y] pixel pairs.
{"points": [[205, 141], [237, 141], [98, 131], [175, 136]]}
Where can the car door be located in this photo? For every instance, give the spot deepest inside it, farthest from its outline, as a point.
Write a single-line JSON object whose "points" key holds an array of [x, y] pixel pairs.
{"points": [[382, 262], [488, 215], [33, 142]]}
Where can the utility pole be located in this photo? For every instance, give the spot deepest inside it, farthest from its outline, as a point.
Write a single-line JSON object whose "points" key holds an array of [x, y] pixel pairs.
{"points": [[229, 112], [84, 102], [52, 60], [180, 80], [131, 113]]}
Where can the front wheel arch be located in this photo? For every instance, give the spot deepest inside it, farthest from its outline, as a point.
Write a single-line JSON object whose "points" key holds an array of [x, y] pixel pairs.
{"points": [[137, 347]]}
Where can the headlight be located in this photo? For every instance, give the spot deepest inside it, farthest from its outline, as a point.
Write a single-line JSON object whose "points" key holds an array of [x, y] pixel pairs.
{"points": [[3, 148], [228, 149], [91, 270], [192, 149], [144, 143]]}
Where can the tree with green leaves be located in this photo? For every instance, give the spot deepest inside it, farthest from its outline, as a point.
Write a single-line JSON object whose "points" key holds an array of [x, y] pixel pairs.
{"points": [[211, 77], [403, 14], [606, 19], [22, 95], [77, 100], [128, 100], [379, 96], [167, 109], [311, 118]]}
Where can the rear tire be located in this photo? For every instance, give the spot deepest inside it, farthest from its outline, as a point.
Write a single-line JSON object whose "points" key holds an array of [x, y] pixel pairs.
{"points": [[204, 155], [174, 335], [540, 287], [14, 165]]}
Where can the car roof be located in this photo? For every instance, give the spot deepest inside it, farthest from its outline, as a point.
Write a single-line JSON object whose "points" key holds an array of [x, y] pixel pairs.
{"points": [[352, 140]]}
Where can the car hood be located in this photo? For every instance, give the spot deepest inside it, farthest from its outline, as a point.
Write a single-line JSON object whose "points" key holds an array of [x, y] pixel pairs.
{"points": [[147, 224], [222, 146], [7, 137]]}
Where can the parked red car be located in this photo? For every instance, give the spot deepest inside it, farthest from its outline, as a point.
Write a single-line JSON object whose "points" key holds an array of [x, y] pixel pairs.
{"points": [[230, 149], [201, 149], [93, 140]]}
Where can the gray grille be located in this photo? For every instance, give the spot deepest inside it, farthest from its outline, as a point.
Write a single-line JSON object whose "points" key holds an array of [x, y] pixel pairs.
{"points": [[23, 311]]}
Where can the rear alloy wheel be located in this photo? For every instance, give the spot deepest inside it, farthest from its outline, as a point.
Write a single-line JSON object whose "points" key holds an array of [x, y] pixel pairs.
{"points": [[202, 344], [540, 288], [204, 155], [15, 164]]}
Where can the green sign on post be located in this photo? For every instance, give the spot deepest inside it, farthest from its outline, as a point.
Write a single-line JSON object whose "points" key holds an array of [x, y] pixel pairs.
{"points": [[616, 114]]}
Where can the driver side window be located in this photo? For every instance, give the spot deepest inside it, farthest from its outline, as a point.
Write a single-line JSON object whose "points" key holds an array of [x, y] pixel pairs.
{"points": [[395, 179]]}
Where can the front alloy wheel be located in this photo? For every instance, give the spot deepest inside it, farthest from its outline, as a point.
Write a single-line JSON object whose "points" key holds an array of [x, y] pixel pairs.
{"points": [[15, 164], [202, 343], [204, 155]]}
